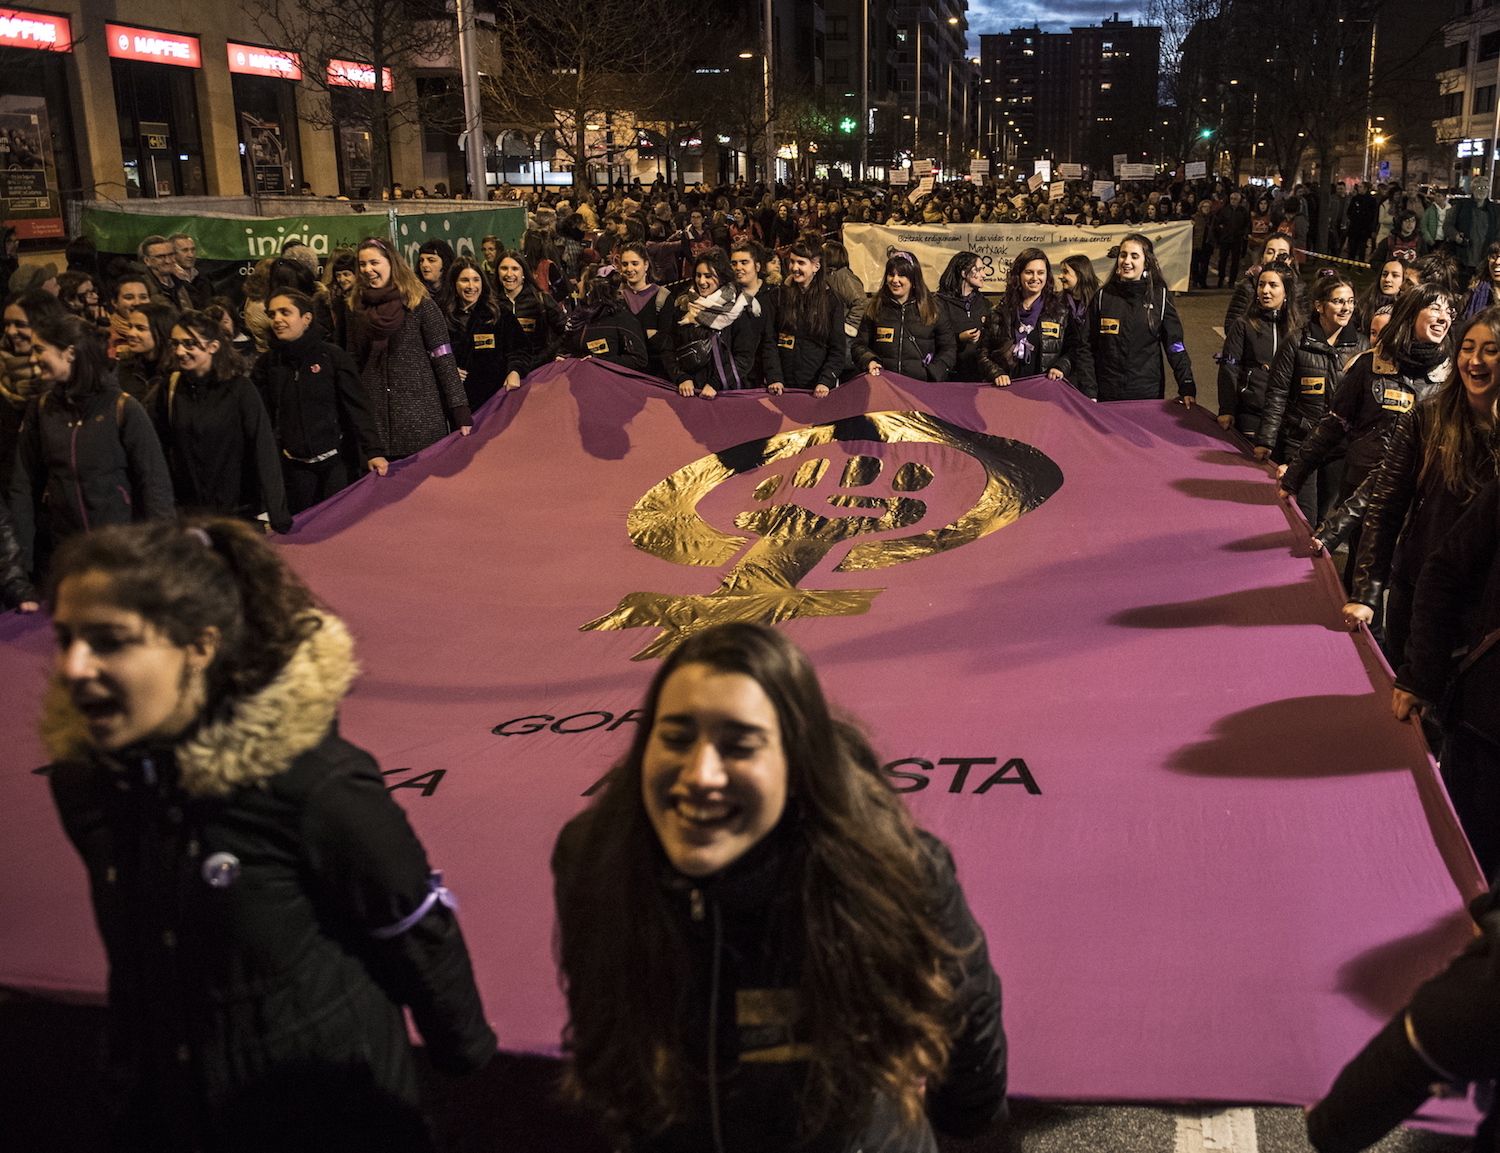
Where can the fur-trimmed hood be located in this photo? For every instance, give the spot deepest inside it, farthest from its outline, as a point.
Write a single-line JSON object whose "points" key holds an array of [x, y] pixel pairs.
{"points": [[260, 735]]}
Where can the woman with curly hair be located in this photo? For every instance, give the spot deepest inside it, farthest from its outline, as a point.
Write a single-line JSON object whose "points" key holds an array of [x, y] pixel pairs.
{"points": [[266, 910], [760, 949]]}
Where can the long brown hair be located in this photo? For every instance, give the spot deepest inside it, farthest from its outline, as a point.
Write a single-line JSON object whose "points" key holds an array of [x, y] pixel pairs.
{"points": [[875, 994], [407, 282], [905, 264], [1457, 450], [805, 311]]}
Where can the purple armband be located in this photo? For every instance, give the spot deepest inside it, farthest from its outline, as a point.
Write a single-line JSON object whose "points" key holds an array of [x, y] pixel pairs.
{"points": [[1178, 347], [438, 894], [447, 350]]}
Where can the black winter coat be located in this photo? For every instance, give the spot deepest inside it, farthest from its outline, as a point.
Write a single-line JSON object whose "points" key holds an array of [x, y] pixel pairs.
{"points": [[266, 911], [614, 337], [966, 313], [733, 917], [1131, 324], [83, 468], [804, 359], [221, 448], [1057, 342], [1375, 392], [411, 385], [1305, 373], [1408, 514], [1446, 1033], [315, 401], [895, 336], [487, 348], [1251, 345], [718, 358], [541, 321], [1457, 601]]}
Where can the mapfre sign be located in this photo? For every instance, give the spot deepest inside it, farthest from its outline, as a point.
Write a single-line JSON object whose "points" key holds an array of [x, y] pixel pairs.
{"points": [[20, 29], [126, 43]]}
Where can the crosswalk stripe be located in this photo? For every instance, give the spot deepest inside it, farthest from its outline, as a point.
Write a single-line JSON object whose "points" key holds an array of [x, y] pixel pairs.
{"points": [[1216, 1131]]}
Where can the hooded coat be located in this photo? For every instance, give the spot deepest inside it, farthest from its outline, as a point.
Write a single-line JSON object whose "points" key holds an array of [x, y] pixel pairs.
{"points": [[266, 911]]}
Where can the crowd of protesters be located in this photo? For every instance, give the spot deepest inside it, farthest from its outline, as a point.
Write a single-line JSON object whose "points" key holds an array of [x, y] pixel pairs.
{"points": [[130, 393]]}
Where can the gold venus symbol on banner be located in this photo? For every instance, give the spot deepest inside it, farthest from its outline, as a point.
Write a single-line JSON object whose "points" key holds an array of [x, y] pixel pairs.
{"points": [[794, 540]]}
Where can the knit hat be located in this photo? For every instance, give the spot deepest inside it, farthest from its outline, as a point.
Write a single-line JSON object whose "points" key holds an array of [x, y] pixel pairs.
{"points": [[30, 276]]}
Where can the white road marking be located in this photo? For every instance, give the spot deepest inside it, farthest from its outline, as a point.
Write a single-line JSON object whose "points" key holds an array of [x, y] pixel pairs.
{"points": [[1219, 1131]]}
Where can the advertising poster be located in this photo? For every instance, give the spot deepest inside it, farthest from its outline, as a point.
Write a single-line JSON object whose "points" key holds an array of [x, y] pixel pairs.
{"points": [[266, 152], [29, 199]]}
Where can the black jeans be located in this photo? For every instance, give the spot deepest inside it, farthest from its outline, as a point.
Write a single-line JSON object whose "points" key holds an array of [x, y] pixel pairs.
{"points": [[309, 484]]}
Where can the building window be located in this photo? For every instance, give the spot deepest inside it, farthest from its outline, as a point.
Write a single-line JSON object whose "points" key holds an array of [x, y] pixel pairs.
{"points": [[1489, 46], [1463, 55], [1106, 86], [836, 70], [1453, 104], [838, 28], [1484, 99]]}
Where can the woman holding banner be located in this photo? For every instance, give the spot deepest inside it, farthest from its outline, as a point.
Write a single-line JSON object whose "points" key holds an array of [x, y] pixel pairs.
{"points": [[1032, 330], [1132, 323], [961, 297], [399, 338], [759, 948], [809, 350], [905, 332]]}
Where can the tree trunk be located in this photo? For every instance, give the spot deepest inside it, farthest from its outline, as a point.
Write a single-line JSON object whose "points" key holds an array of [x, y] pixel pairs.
{"points": [[1325, 197]]}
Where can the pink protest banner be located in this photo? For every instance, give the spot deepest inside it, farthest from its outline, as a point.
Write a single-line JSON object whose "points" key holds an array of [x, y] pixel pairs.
{"points": [[1209, 861]]}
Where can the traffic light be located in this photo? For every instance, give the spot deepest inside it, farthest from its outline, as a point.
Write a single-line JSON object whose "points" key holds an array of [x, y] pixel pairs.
{"points": [[1206, 133], [848, 124]]}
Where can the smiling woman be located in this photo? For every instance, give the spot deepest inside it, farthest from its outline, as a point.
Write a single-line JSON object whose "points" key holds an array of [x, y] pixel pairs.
{"points": [[749, 897]]}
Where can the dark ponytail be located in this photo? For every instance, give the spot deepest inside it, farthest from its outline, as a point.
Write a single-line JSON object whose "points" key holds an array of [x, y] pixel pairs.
{"points": [[189, 575]]}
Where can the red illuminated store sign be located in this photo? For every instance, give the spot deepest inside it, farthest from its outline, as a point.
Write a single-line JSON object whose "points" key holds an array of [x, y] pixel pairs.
{"points": [[248, 60], [352, 74], [126, 43], [35, 30]]}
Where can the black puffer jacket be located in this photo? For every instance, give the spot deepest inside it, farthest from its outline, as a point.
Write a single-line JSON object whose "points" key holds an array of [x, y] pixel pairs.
{"points": [[1250, 348], [82, 468], [803, 359], [264, 906], [966, 313], [731, 918], [1057, 342], [1131, 324], [1375, 392], [896, 337], [1408, 514], [315, 401], [1304, 375], [721, 358], [221, 448]]}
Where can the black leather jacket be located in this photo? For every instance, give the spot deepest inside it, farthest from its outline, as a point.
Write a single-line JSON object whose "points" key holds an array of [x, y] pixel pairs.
{"points": [[14, 587], [1374, 393], [1057, 342], [1131, 323], [1408, 513], [965, 313], [1304, 375]]}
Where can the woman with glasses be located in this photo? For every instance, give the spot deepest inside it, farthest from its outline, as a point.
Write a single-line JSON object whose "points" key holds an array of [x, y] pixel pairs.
{"points": [[218, 437], [399, 338]]}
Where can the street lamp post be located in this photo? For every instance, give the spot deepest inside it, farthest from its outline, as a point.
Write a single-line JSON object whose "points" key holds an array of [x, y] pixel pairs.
{"points": [[767, 109], [864, 89], [468, 63], [916, 121]]}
